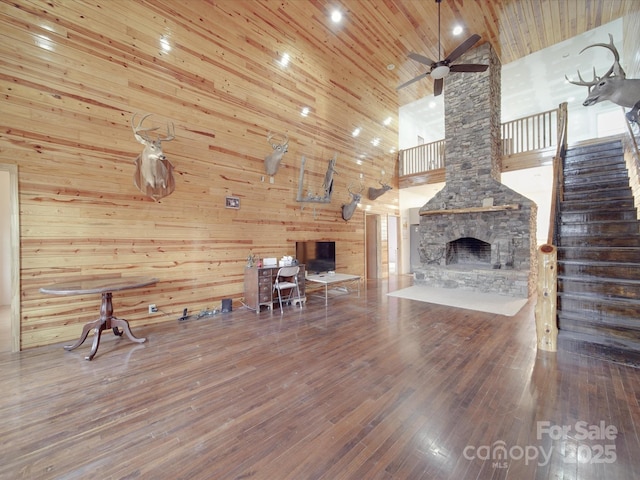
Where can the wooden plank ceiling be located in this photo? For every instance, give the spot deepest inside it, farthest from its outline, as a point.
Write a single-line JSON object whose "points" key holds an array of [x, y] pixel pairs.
{"points": [[385, 31]]}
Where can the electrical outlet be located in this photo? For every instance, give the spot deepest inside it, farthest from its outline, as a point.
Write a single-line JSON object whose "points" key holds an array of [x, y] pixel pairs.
{"points": [[153, 308]]}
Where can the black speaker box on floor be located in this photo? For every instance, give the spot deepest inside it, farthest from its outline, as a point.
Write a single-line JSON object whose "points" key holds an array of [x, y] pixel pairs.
{"points": [[226, 305]]}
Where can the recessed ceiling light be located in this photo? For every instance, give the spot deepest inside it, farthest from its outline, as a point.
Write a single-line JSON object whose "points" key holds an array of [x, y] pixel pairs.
{"points": [[457, 30], [375, 142], [305, 111], [284, 60], [164, 43], [43, 41], [336, 16], [356, 131], [391, 66], [387, 121]]}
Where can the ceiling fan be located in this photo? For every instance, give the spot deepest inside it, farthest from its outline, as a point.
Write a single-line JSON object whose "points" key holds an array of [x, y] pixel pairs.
{"points": [[441, 68]]}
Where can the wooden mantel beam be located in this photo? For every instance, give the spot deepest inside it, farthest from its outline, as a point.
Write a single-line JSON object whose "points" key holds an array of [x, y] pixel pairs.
{"points": [[494, 208]]}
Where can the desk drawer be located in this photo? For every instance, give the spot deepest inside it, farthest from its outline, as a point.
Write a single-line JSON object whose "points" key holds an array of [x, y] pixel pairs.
{"points": [[264, 292]]}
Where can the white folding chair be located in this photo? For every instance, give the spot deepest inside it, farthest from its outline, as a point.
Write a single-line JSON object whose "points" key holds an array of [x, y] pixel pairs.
{"points": [[287, 279]]}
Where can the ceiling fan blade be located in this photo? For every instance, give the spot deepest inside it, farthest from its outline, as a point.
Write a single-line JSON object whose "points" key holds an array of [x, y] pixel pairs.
{"points": [[421, 58], [463, 47], [437, 86], [405, 84], [468, 67]]}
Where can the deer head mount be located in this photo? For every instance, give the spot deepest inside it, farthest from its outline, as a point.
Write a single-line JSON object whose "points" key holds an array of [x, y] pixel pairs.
{"points": [[613, 85], [272, 161], [377, 192], [154, 173], [349, 208]]}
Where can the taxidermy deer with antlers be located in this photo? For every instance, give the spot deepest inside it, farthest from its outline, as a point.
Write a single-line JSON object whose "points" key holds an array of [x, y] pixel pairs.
{"points": [[349, 208], [154, 173], [272, 161], [376, 192], [613, 85]]}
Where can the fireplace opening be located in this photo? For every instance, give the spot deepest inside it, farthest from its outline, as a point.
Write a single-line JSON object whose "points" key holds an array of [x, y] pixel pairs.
{"points": [[468, 251]]}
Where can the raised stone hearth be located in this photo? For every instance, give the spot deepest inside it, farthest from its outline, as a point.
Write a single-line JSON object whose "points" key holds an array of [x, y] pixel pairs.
{"points": [[476, 233]]}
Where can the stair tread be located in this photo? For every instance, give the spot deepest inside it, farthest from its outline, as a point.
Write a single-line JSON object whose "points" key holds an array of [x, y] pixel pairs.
{"points": [[610, 175], [624, 351], [587, 347], [626, 322], [615, 220], [597, 252], [611, 144], [600, 247], [601, 263], [589, 159], [575, 278], [587, 304], [599, 211], [611, 301], [621, 191], [612, 199]]}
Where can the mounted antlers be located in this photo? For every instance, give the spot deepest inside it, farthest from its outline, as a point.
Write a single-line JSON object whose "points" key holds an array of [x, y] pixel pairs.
{"points": [[272, 161], [349, 208], [613, 85], [376, 192], [154, 173]]}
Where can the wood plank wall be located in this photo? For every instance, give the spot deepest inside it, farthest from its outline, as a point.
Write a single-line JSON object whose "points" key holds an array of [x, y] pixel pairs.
{"points": [[73, 73]]}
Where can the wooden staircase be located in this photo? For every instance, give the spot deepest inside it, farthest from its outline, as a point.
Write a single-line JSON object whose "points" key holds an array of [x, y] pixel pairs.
{"points": [[599, 256]]}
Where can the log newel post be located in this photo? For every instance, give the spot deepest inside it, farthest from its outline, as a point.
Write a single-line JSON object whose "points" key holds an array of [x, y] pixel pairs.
{"points": [[545, 311]]}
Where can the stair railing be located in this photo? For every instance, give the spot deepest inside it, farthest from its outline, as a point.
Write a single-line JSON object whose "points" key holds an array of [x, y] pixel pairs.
{"points": [[547, 287], [557, 192], [632, 159], [533, 132]]}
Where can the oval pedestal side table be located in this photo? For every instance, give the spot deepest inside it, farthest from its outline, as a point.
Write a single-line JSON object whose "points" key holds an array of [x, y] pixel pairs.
{"points": [[106, 287]]}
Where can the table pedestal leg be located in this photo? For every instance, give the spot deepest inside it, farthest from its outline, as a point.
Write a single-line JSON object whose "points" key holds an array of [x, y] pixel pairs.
{"points": [[106, 321], [124, 325], [85, 332]]}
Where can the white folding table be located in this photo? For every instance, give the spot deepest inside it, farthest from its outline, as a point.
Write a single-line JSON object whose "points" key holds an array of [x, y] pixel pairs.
{"points": [[327, 279]]}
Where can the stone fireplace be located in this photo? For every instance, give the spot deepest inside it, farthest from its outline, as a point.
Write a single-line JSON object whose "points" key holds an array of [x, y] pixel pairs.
{"points": [[468, 251], [476, 233]]}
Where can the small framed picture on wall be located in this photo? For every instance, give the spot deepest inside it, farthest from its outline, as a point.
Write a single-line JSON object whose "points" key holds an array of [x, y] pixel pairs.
{"points": [[232, 202]]}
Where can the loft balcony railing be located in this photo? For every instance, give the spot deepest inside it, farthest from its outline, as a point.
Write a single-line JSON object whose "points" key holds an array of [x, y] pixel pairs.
{"points": [[420, 159], [532, 134]]}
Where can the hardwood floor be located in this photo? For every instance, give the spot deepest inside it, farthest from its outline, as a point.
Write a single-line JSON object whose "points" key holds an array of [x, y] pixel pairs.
{"points": [[367, 388]]}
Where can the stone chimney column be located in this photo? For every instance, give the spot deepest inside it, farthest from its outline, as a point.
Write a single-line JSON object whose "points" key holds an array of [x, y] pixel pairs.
{"points": [[472, 120]]}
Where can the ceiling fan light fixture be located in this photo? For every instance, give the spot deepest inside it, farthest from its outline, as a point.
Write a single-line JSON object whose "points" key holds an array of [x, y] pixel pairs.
{"points": [[439, 72]]}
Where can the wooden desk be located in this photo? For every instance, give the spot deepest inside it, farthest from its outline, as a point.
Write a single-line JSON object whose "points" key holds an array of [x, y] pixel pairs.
{"points": [[327, 279], [106, 287], [258, 286]]}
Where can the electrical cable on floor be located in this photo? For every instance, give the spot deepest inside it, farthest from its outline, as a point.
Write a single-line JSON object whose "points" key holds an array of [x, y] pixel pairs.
{"points": [[206, 313]]}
